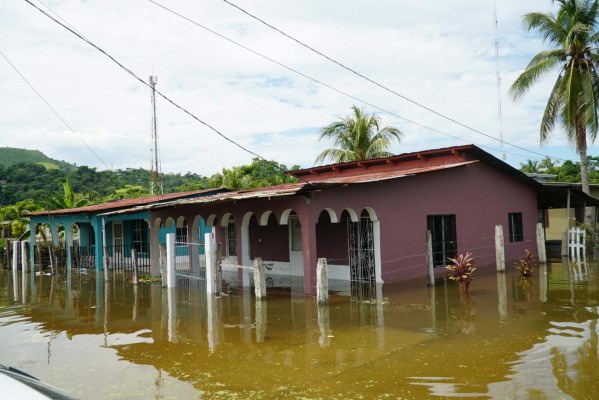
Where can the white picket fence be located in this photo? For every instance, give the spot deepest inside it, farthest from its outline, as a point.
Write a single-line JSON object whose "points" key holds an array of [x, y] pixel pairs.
{"points": [[577, 244]]}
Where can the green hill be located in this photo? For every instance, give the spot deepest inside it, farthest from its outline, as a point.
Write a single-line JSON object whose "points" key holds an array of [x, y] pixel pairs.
{"points": [[10, 156]]}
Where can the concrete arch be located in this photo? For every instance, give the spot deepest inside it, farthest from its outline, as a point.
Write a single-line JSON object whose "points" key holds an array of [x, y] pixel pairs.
{"points": [[352, 214], [284, 220], [371, 214], [247, 218], [264, 217], [56, 229], [169, 222], [211, 220], [224, 221], [195, 234], [332, 215], [181, 222]]}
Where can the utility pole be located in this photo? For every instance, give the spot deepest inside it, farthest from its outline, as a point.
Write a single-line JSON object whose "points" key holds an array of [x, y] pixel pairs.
{"points": [[155, 172]]}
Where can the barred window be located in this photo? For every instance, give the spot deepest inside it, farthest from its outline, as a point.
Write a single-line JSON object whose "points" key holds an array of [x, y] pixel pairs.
{"points": [[515, 226]]}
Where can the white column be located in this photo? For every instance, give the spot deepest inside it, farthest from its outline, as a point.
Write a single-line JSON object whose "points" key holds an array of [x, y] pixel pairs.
{"points": [[259, 279], [322, 282], [430, 268], [541, 244], [210, 252], [499, 248], [378, 265], [24, 256], [15, 256], [170, 260]]}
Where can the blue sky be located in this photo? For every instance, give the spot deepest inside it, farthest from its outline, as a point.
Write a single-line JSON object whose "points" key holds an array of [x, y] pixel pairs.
{"points": [[440, 54]]}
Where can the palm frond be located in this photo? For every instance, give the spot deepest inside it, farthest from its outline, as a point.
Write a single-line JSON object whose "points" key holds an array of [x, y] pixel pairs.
{"points": [[532, 74]]}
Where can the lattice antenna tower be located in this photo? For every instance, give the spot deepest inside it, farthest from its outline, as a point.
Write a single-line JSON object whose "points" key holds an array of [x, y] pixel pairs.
{"points": [[155, 171], [498, 77]]}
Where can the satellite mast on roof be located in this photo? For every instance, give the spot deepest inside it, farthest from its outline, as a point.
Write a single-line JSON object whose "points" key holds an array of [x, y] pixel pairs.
{"points": [[155, 172]]}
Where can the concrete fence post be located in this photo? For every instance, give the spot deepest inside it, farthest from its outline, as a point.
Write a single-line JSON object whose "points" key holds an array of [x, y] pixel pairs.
{"points": [[170, 260], [322, 282], [24, 256], [499, 248], [564, 244], [259, 279], [541, 244], [210, 250], [134, 265], [15, 256], [162, 264], [219, 269], [430, 268], [105, 252]]}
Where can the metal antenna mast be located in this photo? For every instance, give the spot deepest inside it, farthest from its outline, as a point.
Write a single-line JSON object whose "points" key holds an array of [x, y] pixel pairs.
{"points": [[155, 172], [498, 77]]}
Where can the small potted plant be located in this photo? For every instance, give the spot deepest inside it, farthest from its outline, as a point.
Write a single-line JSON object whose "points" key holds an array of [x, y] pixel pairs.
{"points": [[460, 270]]}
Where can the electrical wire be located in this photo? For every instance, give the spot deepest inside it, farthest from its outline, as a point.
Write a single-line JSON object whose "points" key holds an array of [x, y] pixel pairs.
{"points": [[335, 89], [173, 103], [394, 92], [53, 110]]}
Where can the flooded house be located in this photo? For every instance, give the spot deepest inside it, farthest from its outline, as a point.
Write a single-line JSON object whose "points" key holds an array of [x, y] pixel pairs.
{"points": [[84, 231], [369, 219]]}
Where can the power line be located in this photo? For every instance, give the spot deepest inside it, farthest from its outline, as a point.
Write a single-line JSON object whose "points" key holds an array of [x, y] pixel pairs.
{"points": [[136, 77], [338, 90], [353, 71], [53, 110]]}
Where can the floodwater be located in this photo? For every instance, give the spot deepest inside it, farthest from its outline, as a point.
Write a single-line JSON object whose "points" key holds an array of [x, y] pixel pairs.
{"points": [[511, 338]]}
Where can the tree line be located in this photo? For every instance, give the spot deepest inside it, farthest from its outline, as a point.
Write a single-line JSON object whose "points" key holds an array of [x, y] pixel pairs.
{"points": [[568, 171]]}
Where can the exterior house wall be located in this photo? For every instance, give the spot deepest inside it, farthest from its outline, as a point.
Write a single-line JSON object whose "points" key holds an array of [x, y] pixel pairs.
{"points": [[557, 218], [402, 205], [480, 197]]}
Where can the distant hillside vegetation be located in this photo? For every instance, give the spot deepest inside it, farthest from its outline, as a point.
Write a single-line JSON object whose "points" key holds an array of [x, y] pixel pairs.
{"points": [[11, 156]]}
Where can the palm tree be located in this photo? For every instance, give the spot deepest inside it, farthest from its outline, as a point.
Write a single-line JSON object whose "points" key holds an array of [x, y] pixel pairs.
{"points": [[573, 101], [547, 166], [357, 138], [531, 167]]}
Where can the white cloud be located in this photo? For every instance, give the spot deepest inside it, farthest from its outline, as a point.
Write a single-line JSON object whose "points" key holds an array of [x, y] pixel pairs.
{"points": [[437, 53]]}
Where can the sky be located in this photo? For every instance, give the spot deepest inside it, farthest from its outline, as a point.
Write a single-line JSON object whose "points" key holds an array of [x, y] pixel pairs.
{"points": [[440, 54]]}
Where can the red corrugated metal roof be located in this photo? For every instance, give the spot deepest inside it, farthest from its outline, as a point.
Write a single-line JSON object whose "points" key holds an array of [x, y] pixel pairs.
{"points": [[293, 188], [127, 203], [397, 159]]}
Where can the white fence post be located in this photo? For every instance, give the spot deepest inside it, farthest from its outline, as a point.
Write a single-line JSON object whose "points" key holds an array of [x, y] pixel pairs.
{"points": [[24, 256], [15, 256], [322, 282], [162, 262], [259, 279], [134, 265], [170, 260], [499, 248], [430, 268], [577, 245], [210, 251], [541, 244]]}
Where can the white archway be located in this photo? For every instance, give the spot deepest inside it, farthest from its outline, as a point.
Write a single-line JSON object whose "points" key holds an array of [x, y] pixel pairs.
{"points": [[352, 214], [285, 216], [264, 217], [332, 215]]}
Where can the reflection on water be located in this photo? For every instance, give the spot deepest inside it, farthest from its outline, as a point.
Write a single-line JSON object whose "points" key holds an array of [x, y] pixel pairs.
{"points": [[510, 338]]}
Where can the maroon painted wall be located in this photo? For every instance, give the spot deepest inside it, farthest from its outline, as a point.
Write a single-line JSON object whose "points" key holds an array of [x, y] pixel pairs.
{"points": [[270, 242], [479, 195], [331, 239]]}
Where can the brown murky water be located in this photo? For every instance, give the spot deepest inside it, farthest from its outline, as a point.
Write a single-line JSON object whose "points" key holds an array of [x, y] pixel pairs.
{"points": [[512, 338]]}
